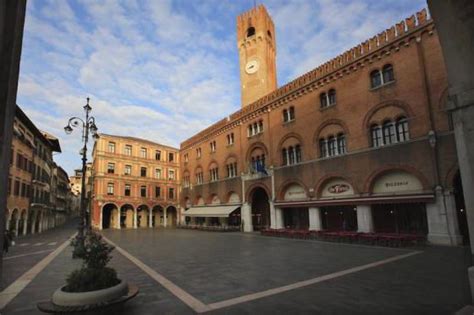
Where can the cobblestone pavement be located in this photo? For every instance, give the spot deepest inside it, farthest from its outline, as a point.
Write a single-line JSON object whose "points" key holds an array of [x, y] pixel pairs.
{"points": [[219, 266]]}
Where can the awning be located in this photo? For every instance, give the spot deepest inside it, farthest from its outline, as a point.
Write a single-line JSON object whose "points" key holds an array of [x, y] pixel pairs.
{"points": [[211, 211]]}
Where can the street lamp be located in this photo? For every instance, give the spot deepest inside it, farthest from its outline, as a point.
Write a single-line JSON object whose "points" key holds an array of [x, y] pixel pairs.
{"points": [[87, 125]]}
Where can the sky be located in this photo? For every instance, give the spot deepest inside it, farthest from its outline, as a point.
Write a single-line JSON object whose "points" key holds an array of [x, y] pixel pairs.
{"points": [[162, 69]]}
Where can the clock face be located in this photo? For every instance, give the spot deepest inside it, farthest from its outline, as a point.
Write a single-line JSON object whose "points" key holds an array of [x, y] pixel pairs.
{"points": [[251, 66]]}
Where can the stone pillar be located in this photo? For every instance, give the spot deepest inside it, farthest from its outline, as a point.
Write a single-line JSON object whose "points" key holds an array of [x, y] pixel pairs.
{"points": [[25, 225], [165, 217], [223, 221], [246, 216], [314, 219], [33, 224], [119, 216], [150, 218], [135, 218], [442, 225], [17, 226], [273, 223], [365, 222], [279, 218]]}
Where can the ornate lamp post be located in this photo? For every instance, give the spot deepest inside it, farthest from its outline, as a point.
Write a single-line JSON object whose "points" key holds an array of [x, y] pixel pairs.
{"points": [[87, 125]]}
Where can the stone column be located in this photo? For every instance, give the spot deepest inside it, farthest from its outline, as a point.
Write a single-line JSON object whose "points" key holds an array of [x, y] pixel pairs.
{"points": [[365, 223], [135, 218], [150, 217], [25, 225], [119, 216], [278, 218], [315, 219], [165, 217], [17, 226], [442, 221], [246, 216], [273, 223]]}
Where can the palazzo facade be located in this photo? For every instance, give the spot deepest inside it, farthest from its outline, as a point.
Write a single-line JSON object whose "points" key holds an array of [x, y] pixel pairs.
{"points": [[363, 142], [134, 183]]}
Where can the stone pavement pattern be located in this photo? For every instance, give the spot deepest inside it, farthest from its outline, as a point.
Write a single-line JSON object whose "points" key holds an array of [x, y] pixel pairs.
{"points": [[214, 267]]}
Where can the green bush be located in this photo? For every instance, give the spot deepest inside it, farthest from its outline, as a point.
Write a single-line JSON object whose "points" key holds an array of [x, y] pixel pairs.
{"points": [[93, 275]]}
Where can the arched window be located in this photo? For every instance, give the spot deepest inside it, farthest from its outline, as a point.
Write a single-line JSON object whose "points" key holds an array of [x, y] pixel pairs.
{"points": [[332, 97], [323, 150], [291, 155], [375, 78], [332, 146], [250, 31], [376, 134], [402, 129], [285, 115], [341, 143], [388, 130], [284, 156], [269, 34], [323, 99], [291, 113], [298, 153], [387, 72]]}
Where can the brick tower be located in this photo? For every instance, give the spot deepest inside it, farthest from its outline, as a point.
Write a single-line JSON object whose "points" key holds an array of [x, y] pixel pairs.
{"points": [[257, 53]]}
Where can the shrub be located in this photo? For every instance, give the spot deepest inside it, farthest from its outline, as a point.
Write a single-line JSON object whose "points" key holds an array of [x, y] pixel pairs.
{"points": [[93, 275]]}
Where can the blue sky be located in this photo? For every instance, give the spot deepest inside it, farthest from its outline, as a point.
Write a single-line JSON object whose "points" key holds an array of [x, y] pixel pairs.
{"points": [[163, 69]]}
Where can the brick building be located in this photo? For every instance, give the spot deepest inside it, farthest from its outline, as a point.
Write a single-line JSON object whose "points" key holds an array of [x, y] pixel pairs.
{"points": [[362, 142], [135, 183]]}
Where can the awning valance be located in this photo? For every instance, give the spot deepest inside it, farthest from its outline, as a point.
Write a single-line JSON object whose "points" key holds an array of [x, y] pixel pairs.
{"points": [[211, 211]]}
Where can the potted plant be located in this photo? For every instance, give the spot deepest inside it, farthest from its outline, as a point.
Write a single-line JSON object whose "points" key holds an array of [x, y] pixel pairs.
{"points": [[94, 284]]}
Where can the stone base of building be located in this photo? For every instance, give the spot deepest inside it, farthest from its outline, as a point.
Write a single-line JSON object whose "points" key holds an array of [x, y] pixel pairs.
{"points": [[444, 239]]}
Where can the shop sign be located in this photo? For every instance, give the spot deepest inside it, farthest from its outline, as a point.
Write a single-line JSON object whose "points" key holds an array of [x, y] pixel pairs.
{"points": [[338, 188], [295, 192], [397, 182], [234, 198]]}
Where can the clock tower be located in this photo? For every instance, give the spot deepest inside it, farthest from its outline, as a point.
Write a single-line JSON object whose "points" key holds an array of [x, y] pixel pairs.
{"points": [[257, 53]]}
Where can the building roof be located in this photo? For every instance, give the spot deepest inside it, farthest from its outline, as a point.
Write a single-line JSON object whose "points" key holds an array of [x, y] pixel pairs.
{"points": [[139, 140], [319, 75], [53, 140]]}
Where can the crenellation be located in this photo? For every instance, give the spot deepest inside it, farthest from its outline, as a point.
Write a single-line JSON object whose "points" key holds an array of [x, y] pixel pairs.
{"points": [[410, 22]]}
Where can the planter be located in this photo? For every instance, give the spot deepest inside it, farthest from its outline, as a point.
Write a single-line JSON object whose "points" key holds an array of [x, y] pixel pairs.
{"points": [[62, 298]]}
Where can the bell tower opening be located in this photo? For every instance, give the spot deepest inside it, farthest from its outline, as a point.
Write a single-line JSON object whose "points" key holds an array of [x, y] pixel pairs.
{"points": [[257, 54]]}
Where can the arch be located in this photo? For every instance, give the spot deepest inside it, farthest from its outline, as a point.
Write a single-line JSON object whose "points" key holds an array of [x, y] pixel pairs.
{"points": [[232, 197], [143, 212], [287, 184], [333, 177], [252, 187], [370, 181], [450, 175], [212, 163], [157, 213], [213, 199], [199, 201], [22, 222], [127, 214], [110, 215], [256, 145], [289, 136], [260, 211], [171, 215], [14, 217], [231, 158], [317, 133], [367, 122], [250, 31]]}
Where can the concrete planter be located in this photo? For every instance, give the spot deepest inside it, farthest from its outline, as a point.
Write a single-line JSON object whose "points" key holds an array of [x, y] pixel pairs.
{"points": [[62, 298]]}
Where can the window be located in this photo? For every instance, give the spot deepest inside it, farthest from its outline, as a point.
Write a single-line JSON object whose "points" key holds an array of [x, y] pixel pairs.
{"points": [[186, 158], [341, 143], [127, 190], [332, 145], [128, 170], [289, 114], [111, 168], [170, 193], [143, 171], [110, 188], [327, 99], [255, 128], [128, 150], [390, 132], [143, 191], [9, 191], [214, 174], [381, 77], [23, 189], [111, 147], [213, 146], [232, 170], [158, 155], [291, 155], [250, 31], [171, 175], [198, 153], [258, 163], [171, 157], [157, 192], [143, 153], [230, 139], [186, 181], [402, 129], [158, 173], [199, 178]]}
